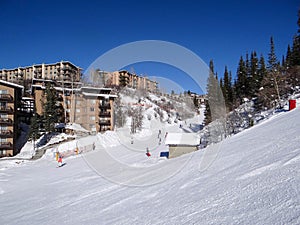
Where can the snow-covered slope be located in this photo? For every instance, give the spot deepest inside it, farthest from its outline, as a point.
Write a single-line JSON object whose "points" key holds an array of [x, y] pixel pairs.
{"points": [[255, 179]]}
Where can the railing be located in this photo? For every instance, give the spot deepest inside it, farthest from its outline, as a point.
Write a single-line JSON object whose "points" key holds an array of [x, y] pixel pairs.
{"points": [[104, 122], [104, 114], [6, 109], [5, 145], [6, 97], [6, 133], [104, 106], [5, 121]]}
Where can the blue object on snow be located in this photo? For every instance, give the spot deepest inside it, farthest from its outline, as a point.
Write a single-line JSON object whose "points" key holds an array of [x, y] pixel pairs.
{"points": [[164, 154]]}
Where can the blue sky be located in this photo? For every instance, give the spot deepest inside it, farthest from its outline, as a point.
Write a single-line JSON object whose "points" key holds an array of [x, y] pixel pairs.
{"points": [[80, 31]]}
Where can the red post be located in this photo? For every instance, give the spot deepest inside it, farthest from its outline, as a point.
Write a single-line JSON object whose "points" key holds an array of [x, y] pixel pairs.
{"points": [[292, 104]]}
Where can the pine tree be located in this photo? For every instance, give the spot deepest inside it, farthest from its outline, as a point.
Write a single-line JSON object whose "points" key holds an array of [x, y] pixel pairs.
{"points": [[242, 81], [50, 116], [295, 56], [34, 132], [226, 87], [254, 80], [211, 77], [288, 58], [272, 59], [215, 102]]}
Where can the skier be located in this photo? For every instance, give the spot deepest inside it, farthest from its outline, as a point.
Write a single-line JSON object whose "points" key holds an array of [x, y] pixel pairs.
{"points": [[59, 160], [147, 152]]}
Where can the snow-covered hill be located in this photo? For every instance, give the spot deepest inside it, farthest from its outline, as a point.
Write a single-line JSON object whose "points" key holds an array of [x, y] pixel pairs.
{"points": [[255, 179]]}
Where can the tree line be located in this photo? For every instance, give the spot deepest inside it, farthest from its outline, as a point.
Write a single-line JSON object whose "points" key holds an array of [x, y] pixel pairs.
{"points": [[267, 82]]}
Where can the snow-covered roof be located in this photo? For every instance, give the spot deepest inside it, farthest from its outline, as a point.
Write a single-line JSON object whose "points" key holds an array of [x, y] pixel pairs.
{"points": [[39, 86], [66, 89], [96, 88], [98, 95], [11, 84], [46, 64], [76, 127], [27, 98], [183, 139]]}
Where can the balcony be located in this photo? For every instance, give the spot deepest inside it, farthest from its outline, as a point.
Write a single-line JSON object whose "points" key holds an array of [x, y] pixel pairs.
{"points": [[104, 114], [104, 122], [6, 97], [5, 145], [6, 109], [6, 133], [104, 106], [6, 121]]}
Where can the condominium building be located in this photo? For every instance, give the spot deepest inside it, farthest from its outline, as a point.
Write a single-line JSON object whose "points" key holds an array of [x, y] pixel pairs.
{"points": [[91, 107], [64, 72], [112, 79], [10, 102]]}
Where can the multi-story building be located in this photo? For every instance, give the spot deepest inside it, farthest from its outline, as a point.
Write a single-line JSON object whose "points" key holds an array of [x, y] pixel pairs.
{"points": [[91, 107], [10, 103], [111, 79], [63, 72], [94, 108]]}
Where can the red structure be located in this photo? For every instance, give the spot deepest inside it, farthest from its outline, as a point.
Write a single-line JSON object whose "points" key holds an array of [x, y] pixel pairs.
{"points": [[292, 104]]}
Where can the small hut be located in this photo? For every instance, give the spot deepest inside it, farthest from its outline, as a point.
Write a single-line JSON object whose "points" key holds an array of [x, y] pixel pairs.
{"points": [[182, 143]]}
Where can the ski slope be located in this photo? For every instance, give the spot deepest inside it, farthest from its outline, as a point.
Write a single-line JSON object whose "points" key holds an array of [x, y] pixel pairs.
{"points": [[255, 179]]}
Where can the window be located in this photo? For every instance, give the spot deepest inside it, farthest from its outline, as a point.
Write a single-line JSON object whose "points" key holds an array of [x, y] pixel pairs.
{"points": [[78, 110], [3, 91], [92, 118], [4, 116], [3, 140], [92, 109]]}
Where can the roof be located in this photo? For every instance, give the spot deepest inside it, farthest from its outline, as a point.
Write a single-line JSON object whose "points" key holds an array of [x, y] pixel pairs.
{"points": [[76, 127], [191, 139], [99, 95], [46, 64], [11, 84]]}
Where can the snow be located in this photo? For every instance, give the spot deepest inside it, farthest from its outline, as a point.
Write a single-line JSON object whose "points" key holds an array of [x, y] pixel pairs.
{"points": [[11, 84], [182, 139], [253, 180], [76, 127]]}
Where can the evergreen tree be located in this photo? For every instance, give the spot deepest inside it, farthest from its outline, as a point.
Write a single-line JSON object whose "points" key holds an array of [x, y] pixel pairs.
{"points": [[211, 77], [34, 132], [248, 66], [272, 59], [196, 102], [288, 58], [226, 87], [242, 81], [50, 116], [215, 102], [254, 80], [295, 55]]}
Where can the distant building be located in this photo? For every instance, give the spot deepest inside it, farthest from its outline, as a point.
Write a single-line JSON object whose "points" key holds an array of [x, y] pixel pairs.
{"points": [[200, 98], [182, 143], [10, 103], [123, 78], [91, 107], [63, 72]]}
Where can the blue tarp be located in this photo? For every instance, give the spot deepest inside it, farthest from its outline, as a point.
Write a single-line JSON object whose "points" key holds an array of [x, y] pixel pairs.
{"points": [[164, 154]]}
